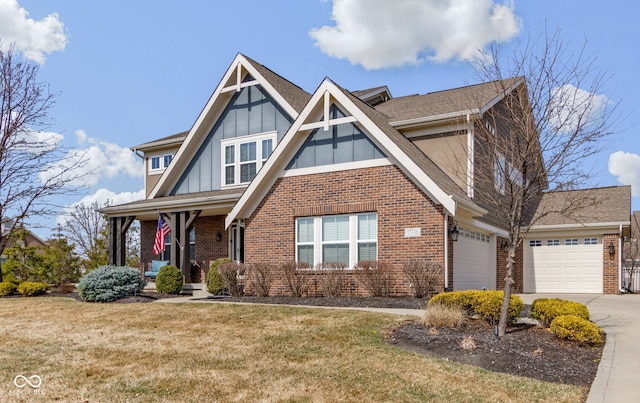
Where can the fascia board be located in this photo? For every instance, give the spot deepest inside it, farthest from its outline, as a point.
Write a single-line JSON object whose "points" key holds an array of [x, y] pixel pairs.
{"points": [[193, 203], [474, 209], [435, 119], [600, 225], [239, 60]]}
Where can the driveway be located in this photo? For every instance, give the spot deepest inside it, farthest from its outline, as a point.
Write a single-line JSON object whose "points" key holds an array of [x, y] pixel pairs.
{"points": [[618, 377]]}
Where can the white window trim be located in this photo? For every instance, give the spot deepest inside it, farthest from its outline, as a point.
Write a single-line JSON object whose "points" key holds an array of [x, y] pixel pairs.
{"points": [[161, 158], [353, 241], [236, 142]]}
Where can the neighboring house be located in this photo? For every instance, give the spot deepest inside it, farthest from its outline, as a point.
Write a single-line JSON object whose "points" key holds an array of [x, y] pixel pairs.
{"points": [[269, 173], [631, 257], [31, 238]]}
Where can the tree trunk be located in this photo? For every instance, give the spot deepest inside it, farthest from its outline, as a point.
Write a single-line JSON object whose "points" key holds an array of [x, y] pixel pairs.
{"points": [[506, 301]]}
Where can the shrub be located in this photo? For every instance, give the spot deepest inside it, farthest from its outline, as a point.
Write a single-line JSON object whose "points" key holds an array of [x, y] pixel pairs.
{"points": [[230, 273], [375, 277], [32, 288], [578, 329], [260, 277], [547, 309], [443, 316], [486, 304], [330, 277], [214, 281], [423, 275], [296, 277], [109, 283], [7, 288], [169, 280]]}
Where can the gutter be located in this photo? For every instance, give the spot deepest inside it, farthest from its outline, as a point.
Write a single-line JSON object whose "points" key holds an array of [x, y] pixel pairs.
{"points": [[403, 124]]}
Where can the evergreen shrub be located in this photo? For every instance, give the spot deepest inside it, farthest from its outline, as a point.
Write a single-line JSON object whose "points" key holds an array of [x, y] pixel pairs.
{"points": [[7, 288], [547, 309], [109, 283], [32, 288], [214, 281], [578, 329], [169, 280], [486, 304]]}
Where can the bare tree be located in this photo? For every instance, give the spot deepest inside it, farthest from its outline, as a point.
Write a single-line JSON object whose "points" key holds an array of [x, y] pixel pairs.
{"points": [[536, 139], [33, 166], [85, 228], [631, 261]]}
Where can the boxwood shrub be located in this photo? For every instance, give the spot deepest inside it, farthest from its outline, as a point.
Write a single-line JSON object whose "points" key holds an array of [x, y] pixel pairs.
{"points": [[169, 280], [109, 283], [547, 309], [32, 288], [576, 328], [215, 285], [486, 304], [7, 288]]}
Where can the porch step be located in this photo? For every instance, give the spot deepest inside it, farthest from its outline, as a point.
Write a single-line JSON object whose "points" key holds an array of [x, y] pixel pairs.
{"points": [[197, 290]]}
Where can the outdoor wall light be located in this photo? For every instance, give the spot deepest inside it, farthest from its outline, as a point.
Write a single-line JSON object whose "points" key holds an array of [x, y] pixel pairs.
{"points": [[219, 236], [612, 249], [505, 246], [454, 233]]}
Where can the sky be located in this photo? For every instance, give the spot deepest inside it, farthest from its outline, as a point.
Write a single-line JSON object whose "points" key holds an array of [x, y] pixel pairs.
{"points": [[128, 72]]}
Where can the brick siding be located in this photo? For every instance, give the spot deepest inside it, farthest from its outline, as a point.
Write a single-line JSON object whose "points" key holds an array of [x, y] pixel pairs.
{"points": [[611, 269], [501, 267], [270, 231]]}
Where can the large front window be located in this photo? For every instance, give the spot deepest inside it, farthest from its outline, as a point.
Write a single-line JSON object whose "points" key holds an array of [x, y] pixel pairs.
{"points": [[243, 157], [345, 239]]}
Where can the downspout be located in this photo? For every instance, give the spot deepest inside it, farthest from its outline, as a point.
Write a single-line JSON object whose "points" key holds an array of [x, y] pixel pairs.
{"points": [[446, 251], [620, 268], [470, 158]]}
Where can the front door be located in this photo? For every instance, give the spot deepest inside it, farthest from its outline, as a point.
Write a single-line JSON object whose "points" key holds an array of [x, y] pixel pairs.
{"points": [[236, 246]]}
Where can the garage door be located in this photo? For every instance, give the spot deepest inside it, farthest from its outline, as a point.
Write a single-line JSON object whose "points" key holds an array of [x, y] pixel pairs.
{"points": [[474, 265], [563, 265]]}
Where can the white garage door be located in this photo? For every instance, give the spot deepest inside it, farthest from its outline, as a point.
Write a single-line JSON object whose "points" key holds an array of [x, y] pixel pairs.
{"points": [[474, 265], [563, 265]]}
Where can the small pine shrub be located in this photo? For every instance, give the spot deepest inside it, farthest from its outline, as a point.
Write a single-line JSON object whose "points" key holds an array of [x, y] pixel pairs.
{"points": [[296, 276], [7, 288], [230, 273], [486, 304], [375, 277], [169, 280], [443, 316], [109, 283], [32, 288], [547, 309], [423, 275], [260, 276], [578, 329], [215, 285]]}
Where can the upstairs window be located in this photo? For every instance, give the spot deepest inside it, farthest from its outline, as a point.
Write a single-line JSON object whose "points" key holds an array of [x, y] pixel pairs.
{"points": [[159, 162], [243, 157]]}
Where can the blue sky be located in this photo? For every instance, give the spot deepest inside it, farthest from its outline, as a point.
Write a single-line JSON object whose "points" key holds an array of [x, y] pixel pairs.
{"points": [[128, 72]]}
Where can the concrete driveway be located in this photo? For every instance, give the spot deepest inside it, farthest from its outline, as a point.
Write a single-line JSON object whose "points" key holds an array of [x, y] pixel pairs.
{"points": [[618, 377]]}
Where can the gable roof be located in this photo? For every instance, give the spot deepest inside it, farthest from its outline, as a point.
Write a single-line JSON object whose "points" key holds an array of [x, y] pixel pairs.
{"points": [[585, 207], [457, 102], [288, 95], [428, 176]]}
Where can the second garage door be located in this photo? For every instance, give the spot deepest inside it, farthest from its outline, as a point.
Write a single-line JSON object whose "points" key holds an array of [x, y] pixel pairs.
{"points": [[474, 265], [571, 265]]}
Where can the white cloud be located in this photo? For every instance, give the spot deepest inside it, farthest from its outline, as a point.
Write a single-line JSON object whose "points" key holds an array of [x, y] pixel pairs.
{"points": [[34, 141], [100, 159], [626, 168], [381, 33], [102, 196], [33, 38], [571, 106]]}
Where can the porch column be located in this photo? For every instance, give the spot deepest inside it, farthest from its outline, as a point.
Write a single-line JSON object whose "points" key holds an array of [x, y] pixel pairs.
{"points": [[118, 227], [181, 223]]}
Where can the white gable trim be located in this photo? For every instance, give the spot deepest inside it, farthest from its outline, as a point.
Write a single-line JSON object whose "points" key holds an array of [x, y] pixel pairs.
{"points": [[295, 136], [208, 116]]}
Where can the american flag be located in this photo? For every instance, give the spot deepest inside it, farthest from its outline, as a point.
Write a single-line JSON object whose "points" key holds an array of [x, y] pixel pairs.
{"points": [[161, 233]]}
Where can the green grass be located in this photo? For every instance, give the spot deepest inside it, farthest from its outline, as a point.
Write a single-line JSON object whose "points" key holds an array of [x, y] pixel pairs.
{"points": [[219, 352]]}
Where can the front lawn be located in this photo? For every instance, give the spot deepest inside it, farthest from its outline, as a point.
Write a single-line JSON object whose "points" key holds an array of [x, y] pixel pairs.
{"points": [[221, 352]]}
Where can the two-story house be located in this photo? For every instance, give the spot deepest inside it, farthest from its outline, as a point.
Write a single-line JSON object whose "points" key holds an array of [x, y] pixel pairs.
{"points": [[270, 173]]}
